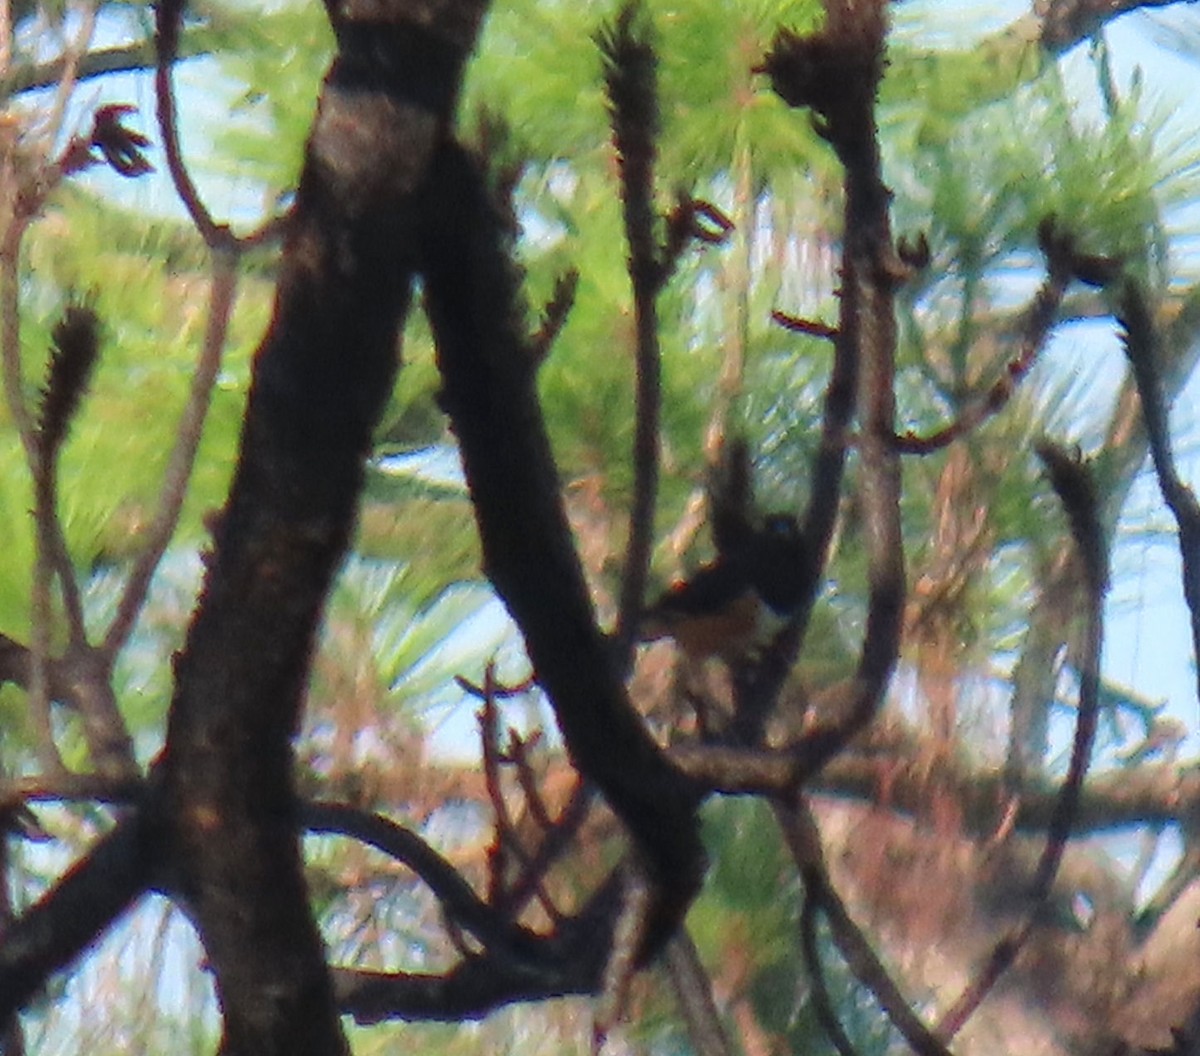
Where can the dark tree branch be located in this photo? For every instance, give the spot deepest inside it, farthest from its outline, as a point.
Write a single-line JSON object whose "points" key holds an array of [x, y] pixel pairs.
{"points": [[1067, 22], [1143, 350], [490, 395], [572, 961], [503, 939], [556, 843], [321, 377], [124, 58], [53, 932], [471, 990], [826, 1014], [1035, 328], [836, 74], [631, 79], [694, 996], [803, 841]]}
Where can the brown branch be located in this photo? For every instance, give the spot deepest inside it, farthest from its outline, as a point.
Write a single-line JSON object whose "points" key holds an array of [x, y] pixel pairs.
{"points": [[803, 839], [167, 18], [87, 788], [554, 314], [79, 679], [1067, 22], [37, 686], [798, 325], [1039, 318], [518, 755], [556, 843], [507, 841], [822, 1003], [124, 58], [694, 997], [1151, 794]]}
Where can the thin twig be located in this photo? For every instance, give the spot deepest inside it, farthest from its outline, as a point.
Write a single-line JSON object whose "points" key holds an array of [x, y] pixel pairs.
{"points": [[507, 843], [183, 455], [54, 115], [38, 688], [558, 840], [519, 756], [1040, 317], [1073, 483], [505, 839], [799, 325], [167, 23], [822, 1002], [554, 314]]}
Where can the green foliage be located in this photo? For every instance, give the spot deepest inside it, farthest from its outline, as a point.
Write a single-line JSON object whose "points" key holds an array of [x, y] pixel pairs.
{"points": [[262, 134]]}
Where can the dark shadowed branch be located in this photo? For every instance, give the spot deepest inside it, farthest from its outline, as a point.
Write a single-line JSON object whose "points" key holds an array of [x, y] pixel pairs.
{"points": [[490, 395], [54, 931], [803, 840], [321, 378], [836, 74], [630, 74], [694, 996], [1143, 350]]}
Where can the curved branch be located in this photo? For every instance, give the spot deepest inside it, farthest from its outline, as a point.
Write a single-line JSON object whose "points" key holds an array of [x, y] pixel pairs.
{"points": [[1143, 350], [503, 938]]}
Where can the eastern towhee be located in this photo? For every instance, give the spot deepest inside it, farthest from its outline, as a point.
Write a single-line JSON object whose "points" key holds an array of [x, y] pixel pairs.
{"points": [[734, 607]]}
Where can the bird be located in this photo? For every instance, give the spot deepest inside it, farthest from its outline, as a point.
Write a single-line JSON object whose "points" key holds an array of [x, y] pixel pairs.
{"points": [[733, 607]]}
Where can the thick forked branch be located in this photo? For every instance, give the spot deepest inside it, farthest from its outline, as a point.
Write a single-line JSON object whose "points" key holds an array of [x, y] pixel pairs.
{"points": [[491, 397], [321, 377]]}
